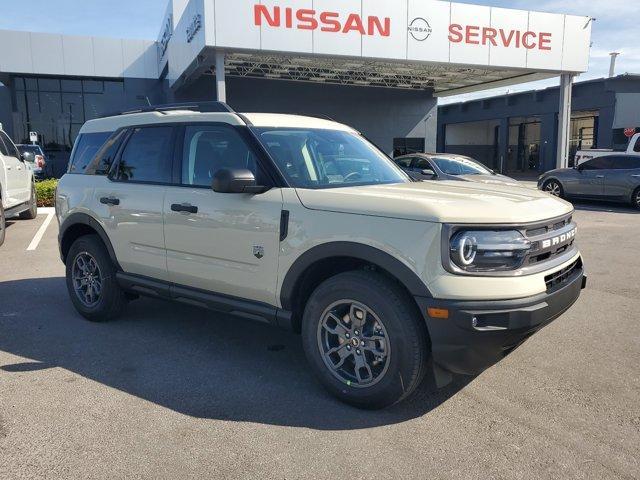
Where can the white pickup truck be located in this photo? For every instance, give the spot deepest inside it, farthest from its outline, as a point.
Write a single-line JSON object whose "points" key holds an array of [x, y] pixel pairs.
{"points": [[17, 188], [632, 149]]}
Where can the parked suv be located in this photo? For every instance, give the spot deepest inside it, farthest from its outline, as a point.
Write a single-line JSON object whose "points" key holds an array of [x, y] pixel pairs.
{"points": [[17, 188], [302, 223]]}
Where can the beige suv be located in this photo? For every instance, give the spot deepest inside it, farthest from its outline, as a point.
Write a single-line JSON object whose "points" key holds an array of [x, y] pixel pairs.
{"points": [[302, 223]]}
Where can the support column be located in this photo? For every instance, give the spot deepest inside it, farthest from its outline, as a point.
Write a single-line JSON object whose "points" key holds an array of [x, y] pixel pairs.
{"points": [[503, 145], [221, 86], [564, 120]]}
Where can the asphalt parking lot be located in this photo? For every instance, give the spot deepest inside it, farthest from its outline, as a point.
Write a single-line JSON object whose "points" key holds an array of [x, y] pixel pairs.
{"points": [[176, 392]]}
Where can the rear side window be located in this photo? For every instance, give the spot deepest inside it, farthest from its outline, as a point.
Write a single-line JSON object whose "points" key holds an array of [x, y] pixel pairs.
{"points": [[147, 156], [10, 148], [102, 161], [598, 163], [3, 148], [404, 162], [625, 163], [85, 148]]}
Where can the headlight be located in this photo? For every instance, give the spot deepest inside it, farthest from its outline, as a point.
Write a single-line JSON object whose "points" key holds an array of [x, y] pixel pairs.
{"points": [[488, 250]]}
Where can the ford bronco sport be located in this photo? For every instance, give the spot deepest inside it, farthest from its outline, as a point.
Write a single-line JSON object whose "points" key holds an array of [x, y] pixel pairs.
{"points": [[302, 223]]}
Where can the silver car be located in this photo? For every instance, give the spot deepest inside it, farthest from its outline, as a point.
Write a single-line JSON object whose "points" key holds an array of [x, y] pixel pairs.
{"points": [[447, 166], [614, 177]]}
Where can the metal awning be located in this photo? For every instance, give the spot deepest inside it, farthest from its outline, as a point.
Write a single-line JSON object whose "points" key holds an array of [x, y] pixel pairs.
{"points": [[442, 79]]}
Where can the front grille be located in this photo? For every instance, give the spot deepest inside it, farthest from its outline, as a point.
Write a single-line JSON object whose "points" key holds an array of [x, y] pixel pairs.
{"points": [[562, 276], [540, 233], [541, 230]]}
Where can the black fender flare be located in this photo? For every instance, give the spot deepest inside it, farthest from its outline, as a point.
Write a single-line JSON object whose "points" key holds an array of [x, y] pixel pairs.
{"points": [[88, 220], [367, 253]]}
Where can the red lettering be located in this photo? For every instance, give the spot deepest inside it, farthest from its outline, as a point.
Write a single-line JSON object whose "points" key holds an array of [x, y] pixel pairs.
{"points": [[375, 24], [329, 22], [288, 17], [354, 22], [472, 34], [525, 43], [455, 33], [506, 41], [544, 41], [489, 35], [306, 19], [260, 11]]}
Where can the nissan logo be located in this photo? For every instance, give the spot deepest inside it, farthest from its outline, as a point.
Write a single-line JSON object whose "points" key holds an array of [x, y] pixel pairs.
{"points": [[420, 29]]}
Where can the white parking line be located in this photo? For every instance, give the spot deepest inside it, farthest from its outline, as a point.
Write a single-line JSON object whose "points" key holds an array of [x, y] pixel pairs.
{"points": [[50, 212]]}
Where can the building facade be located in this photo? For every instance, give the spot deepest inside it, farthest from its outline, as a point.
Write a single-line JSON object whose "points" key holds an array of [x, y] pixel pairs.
{"points": [[517, 133], [378, 65]]}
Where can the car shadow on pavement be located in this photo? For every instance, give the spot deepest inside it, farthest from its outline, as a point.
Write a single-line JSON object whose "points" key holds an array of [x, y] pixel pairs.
{"points": [[189, 360], [609, 207]]}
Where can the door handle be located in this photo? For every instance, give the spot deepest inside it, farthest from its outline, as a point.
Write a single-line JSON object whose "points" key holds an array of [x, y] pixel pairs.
{"points": [[184, 207], [110, 201], [599, 176], [8, 167], [636, 175]]}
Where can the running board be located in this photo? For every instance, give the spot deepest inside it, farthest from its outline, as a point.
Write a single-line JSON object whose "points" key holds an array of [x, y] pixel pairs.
{"points": [[149, 287], [16, 210]]}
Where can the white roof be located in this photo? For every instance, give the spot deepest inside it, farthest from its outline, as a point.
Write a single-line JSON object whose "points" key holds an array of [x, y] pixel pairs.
{"points": [[294, 121], [110, 124]]}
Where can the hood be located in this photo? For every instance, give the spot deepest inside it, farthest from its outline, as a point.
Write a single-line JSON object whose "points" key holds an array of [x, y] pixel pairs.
{"points": [[558, 171], [490, 179], [444, 201]]}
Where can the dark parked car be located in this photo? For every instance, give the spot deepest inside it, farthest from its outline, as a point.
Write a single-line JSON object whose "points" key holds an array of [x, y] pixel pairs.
{"points": [[35, 156], [446, 166], [612, 177]]}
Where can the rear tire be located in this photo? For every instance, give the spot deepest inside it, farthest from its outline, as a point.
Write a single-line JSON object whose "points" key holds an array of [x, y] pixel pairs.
{"points": [[554, 187], [635, 199], [3, 223], [33, 205], [364, 339], [91, 280]]}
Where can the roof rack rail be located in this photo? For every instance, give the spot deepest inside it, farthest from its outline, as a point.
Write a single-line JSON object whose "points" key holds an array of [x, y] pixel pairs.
{"points": [[193, 106]]}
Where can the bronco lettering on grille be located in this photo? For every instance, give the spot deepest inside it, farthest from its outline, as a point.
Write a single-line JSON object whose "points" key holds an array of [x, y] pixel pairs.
{"points": [[559, 240]]}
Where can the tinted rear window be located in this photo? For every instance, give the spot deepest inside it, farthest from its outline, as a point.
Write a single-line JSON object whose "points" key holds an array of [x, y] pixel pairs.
{"points": [[86, 147], [147, 156], [625, 163], [35, 149]]}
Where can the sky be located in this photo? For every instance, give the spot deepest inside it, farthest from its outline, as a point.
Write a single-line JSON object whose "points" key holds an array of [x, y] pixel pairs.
{"points": [[615, 28]]}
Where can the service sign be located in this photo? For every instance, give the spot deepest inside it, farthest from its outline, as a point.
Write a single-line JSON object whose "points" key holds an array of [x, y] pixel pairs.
{"points": [[414, 30]]}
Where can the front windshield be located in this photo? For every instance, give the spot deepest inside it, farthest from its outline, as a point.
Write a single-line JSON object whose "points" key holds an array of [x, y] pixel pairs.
{"points": [[461, 166], [317, 158]]}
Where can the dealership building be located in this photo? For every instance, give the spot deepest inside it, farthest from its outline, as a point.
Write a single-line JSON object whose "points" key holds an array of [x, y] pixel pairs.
{"points": [[378, 65], [605, 114]]}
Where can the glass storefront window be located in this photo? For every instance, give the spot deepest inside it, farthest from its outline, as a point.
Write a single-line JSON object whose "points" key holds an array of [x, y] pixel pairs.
{"points": [[48, 84], [57, 109], [31, 84], [92, 86], [71, 85]]}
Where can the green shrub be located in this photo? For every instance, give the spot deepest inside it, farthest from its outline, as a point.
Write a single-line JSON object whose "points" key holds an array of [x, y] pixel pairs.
{"points": [[46, 192]]}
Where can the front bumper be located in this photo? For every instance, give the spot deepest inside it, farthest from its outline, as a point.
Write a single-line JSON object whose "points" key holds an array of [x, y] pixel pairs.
{"points": [[478, 334]]}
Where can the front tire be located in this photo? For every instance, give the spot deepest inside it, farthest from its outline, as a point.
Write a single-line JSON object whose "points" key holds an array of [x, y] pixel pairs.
{"points": [[364, 339], [554, 187], [91, 280], [635, 199], [33, 205]]}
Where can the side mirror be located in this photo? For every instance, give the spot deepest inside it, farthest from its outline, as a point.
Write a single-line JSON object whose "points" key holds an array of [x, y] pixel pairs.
{"points": [[428, 172], [27, 157], [236, 180]]}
